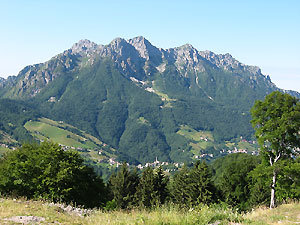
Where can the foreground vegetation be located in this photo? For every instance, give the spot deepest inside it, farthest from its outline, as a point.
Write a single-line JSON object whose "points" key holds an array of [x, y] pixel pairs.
{"points": [[50, 173], [12, 209]]}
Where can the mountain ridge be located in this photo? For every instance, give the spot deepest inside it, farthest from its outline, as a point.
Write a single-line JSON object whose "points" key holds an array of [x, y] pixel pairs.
{"points": [[186, 57], [144, 101]]}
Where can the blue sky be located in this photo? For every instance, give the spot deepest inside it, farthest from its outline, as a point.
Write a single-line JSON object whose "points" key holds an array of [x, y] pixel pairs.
{"points": [[256, 32]]}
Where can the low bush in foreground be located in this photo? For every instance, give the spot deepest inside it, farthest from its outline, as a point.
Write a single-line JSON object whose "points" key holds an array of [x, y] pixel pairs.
{"points": [[48, 172]]}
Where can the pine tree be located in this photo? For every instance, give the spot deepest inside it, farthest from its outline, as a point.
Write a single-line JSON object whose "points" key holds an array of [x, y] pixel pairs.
{"points": [[201, 186], [193, 186], [161, 184], [147, 194], [179, 187], [123, 186], [152, 189]]}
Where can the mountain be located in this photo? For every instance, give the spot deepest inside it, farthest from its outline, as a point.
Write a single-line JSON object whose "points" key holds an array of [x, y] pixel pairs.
{"points": [[144, 101]]}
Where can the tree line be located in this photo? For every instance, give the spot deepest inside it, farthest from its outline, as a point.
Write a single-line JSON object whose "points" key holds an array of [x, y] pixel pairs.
{"points": [[47, 172]]}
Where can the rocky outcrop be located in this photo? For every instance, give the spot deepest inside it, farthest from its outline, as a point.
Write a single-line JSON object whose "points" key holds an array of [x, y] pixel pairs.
{"points": [[227, 62], [85, 48]]}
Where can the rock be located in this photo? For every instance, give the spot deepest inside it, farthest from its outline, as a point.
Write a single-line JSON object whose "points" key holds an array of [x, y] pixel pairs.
{"points": [[26, 219], [71, 210]]}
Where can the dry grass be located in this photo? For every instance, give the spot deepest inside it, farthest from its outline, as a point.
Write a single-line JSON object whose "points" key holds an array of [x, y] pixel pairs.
{"points": [[52, 214], [164, 215], [284, 214]]}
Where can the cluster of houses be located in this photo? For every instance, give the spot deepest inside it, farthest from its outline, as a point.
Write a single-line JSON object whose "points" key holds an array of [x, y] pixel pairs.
{"points": [[156, 163], [170, 166]]}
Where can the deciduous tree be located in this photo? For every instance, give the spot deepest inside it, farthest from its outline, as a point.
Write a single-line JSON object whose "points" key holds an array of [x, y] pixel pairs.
{"points": [[277, 128]]}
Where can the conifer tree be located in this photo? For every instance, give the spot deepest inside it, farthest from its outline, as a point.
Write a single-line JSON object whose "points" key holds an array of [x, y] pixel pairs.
{"points": [[147, 194], [193, 186], [161, 184], [152, 189], [179, 187], [123, 186]]}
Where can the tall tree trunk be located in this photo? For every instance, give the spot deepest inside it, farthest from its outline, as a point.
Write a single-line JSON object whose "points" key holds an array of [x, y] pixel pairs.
{"points": [[272, 203]]}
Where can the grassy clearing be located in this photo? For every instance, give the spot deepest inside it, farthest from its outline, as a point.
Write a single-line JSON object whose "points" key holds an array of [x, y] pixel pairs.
{"points": [[68, 135], [198, 147], [52, 214], [164, 97], [200, 140], [51, 130], [143, 120], [246, 145], [284, 214], [164, 215], [43, 130], [172, 214], [194, 135]]}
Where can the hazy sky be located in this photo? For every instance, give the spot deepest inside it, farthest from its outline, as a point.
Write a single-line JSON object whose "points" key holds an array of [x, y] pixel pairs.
{"points": [[265, 33]]}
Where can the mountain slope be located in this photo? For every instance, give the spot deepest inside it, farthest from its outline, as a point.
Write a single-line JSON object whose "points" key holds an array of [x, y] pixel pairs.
{"points": [[137, 97]]}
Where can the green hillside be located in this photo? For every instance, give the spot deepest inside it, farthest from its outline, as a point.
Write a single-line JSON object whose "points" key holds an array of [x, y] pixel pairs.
{"points": [[69, 137], [48, 129]]}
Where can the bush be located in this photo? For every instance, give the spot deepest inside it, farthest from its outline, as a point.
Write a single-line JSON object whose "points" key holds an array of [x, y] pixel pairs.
{"points": [[48, 172]]}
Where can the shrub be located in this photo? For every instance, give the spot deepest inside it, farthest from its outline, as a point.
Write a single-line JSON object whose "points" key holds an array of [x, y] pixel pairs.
{"points": [[48, 172]]}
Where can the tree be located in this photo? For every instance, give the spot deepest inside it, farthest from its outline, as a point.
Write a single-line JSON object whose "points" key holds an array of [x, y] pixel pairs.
{"points": [[48, 172], [231, 178], [152, 188], [193, 186], [277, 128], [161, 182], [123, 186]]}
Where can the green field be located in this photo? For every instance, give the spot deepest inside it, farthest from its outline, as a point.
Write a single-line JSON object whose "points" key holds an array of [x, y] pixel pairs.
{"points": [[143, 120], [246, 145], [59, 132], [47, 131], [63, 133], [200, 140], [195, 135], [164, 97]]}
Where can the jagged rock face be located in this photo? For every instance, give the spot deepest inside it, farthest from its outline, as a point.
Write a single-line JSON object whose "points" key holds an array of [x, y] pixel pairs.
{"points": [[135, 57], [85, 47], [186, 58], [227, 62], [146, 49], [33, 78]]}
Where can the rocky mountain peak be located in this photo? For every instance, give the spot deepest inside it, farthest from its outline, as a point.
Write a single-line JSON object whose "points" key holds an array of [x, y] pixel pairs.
{"points": [[117, 42], [187, 47], [145, 48], [84, 47], [186, 58], [228, 62]]}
